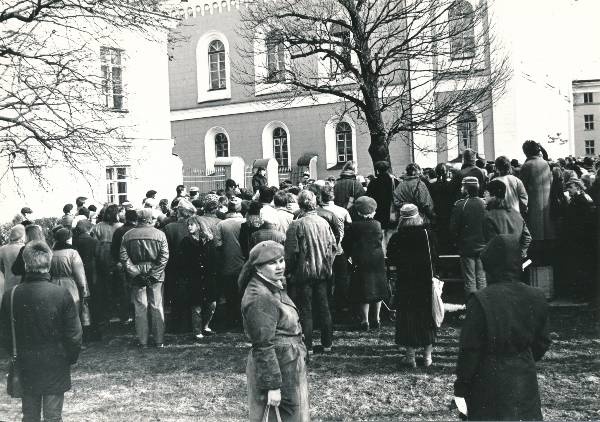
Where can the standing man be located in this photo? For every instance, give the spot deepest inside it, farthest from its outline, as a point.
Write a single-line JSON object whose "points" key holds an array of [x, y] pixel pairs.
{"points": [[48, 333], [144, 254], [467, 224], [181, 193], [259, 179], [309, 255], [381, 189]]}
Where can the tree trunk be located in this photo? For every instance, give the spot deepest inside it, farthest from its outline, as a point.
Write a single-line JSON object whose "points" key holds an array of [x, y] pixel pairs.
{"points": [[378, 149]]}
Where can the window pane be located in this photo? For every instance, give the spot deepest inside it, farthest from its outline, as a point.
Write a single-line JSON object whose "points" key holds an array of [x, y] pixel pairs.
{"points": [[122, 187], [121, 172], [110, 173]]}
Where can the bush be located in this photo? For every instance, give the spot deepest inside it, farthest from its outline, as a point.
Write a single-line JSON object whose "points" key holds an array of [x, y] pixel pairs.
{"points": [[47, 223]]}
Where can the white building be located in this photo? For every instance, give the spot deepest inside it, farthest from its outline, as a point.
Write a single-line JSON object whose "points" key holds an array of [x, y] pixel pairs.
{"points": [[586, 117], [133, 68]]}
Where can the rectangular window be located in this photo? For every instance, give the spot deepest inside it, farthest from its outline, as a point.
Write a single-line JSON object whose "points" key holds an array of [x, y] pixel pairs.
{"points": [[590, 147], [112, 77], [588, 121], [116, 184], [588, 97]]}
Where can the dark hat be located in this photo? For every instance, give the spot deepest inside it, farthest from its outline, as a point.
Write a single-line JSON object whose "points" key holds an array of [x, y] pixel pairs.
{"points": [[26, 210], [576, 181], [497, 188], [62, 235], [230, 183], [409, 211], [470, 180], [150, 193], [365, 205], [469, 155]]}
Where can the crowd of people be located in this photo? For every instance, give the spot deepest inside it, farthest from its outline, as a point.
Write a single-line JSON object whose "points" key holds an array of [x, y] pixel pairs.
{"points": [[281, 260]]}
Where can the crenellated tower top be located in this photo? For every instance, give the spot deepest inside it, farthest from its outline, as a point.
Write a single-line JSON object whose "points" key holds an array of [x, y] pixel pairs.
{"points": [[185, 9]]}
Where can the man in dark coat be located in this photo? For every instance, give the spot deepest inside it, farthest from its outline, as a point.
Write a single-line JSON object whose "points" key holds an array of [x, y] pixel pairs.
{"points": [[468, 169], [125, 307], [381, 189], [259, 179], [48, 333], [505, 333]]}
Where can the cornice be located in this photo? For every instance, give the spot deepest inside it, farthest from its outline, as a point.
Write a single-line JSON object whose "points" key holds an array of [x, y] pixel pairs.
{"points": [[195, 8]]}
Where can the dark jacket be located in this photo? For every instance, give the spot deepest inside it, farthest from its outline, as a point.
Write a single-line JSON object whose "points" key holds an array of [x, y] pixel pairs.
{"points": [[466, 224], [504, 334], [345, 187], [381, 189], [48, 334], [337, 226], [413, 190], [86, 247], [503, 221], [199, 269], [362, 242], [144, 250], [258, 181], [468, 170], [267, 231], [115, 245]]}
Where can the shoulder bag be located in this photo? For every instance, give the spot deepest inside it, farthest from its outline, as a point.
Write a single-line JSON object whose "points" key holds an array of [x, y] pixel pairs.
{"points": [[265, 417], [437, 286], [14, 386], [351, 198]]}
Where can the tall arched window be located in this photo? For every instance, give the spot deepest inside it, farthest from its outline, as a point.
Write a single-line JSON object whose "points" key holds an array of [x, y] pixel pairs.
{"points": [[275, 57], [221, 145], [467, 131], [462, 31], [343, 135], [216, 65], [280, 147]]}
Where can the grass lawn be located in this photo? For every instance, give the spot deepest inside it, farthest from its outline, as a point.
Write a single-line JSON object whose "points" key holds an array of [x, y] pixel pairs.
{"points": [[360, 380]]}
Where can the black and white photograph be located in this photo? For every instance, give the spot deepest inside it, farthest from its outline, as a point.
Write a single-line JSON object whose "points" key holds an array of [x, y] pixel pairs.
{"points": [[299, 210]]}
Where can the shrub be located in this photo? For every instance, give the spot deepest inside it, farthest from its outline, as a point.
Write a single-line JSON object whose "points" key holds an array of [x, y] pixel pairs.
{"points": [[47, 223]]}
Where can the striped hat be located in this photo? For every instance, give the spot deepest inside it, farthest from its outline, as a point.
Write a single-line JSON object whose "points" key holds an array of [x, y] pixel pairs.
{"points": [[470, 180]]}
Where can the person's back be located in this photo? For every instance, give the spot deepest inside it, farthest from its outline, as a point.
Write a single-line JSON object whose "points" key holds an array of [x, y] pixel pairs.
{"points": [[467, 223], [227, 238], [8, 256], [267, 231]]}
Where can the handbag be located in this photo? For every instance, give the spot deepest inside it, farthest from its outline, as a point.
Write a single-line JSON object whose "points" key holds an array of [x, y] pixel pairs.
{"points": [[437, 287], [86, 318], [265, 417], [14, 383]]}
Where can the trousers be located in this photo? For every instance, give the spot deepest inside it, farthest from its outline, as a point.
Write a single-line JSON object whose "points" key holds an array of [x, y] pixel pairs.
{"points": [[314, 292], [144, 297], [473, 274], [52, 406]]}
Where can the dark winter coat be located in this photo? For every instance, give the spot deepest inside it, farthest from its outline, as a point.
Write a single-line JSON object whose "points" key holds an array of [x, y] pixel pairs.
{"points": [[362, 242], [469, 170], [409, 251], [381, 189], [115, 246], [466, 224], [258, 180], [345, 187], [199, 269], [504, 334], [503, 221], [537, 179], [413, 190], [48, 334], [86, 247]]}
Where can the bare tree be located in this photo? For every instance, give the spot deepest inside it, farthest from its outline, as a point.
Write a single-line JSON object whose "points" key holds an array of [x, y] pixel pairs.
{"points": [[401, 65], [56, 103]]}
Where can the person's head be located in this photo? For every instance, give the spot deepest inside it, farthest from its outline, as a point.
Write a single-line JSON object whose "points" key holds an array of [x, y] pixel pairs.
{"points": [[84, 226], [34, 232], [441, 171], [349, 167], [305, 176], [235, 205], [409, 216], [17, 234], [198, 228], [381, 168], [62, 235], [151, 193], [515, 163], [503, 165], [497, 194], [501, 259], [194, 191], [480, 163], [180, 189], [268, 260], [37, 256], [261, 171], [86, 212], [111, 214], [265, 195], [253, 218], [131, 216], [92, 208], [26, 211], [150, 203], [67, 208], [316, 189], [327, 194], [230, 185], [185, 209], [163, 204], [80, 201], [280, 199], [18, 219], [413, 169], [145, 217], [307, 201], [211, 203], [470, 186], [365, 206], [531, 148], [575, 186], [469, 156]]}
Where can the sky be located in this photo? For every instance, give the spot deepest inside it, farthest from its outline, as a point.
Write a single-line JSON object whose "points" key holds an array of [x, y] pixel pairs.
{"points": [[583, 28]]}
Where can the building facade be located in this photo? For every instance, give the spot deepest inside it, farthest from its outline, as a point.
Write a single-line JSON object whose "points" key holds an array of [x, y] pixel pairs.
{"points": [[586, 115]]}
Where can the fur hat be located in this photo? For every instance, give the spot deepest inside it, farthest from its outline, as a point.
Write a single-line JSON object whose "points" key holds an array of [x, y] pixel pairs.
{"points": [[365, 205], [17, 233], [409, 211], [497, 188], [470, 180], [211, 202]]}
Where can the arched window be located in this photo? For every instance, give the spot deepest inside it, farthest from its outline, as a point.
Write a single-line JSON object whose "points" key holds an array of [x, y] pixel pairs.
{"points": [[343, 136], [275, 57], [216, 65], [280, 147], [467, 131], [462, 31], [221, 145]]}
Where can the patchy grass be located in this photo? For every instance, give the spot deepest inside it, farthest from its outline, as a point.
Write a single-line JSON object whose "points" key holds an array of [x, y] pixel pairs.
{"points": [[360, 380]]}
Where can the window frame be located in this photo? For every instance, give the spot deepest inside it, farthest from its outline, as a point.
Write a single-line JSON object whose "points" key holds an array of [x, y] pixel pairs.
{"points": [[221, 66], [588, 97], [469, 119], [283, 155], [461, 34], [114, 183], [590, 147], [588, 122], [276, 62], [347, 147], [221, 145], [113, 90]]}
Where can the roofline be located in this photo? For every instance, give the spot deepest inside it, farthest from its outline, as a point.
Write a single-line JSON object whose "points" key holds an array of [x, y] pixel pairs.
{"points": [[577, 81]]}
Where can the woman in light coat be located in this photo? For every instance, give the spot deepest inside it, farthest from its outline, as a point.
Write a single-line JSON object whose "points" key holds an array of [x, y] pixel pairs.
{"points": [[276, 369], [8, 255]]}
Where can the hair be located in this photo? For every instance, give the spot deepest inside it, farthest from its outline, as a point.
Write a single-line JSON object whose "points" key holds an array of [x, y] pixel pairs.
{"points": [[472, 190], [184, 213], [480, 163], [503, 165], [531, 148], [381, 167], [33, 232], [414, 221], [307, 200], [37, 256], [412, 169], [327, 193], [254, 208], [203, 229], [294, 190], [230, 183], [68, 208], [80, 201], [131, 216], [496, 203], [111, 214], [349, 166], [265, 195], [17, 219], [440, 171], [84, 226], [144, 216], [86, 212], [316, 189], [515, 163], [280, 199], [92, 208]]}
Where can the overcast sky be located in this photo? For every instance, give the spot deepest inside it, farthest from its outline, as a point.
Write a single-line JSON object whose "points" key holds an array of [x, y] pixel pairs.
{"points": [[584, 31]]}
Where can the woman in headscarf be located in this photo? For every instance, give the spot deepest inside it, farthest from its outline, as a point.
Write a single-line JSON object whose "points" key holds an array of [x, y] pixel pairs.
{"points": [[196, 289], [504, 334], [276, 369], [412, 251]]}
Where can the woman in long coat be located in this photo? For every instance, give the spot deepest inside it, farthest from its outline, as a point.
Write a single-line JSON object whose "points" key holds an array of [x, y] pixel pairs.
{"points": [[411, 250], [362, 242], [8, 255], [66, 268], [276, 369], [504, 334]]}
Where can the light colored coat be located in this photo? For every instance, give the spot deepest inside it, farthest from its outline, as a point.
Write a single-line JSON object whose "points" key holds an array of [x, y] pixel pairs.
{"points": [[8, 254], [537, 179], [66, 269]]}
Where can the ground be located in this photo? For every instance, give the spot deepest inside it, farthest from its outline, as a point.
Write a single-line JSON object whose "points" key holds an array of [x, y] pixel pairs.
{"points": [[360, 380]]}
